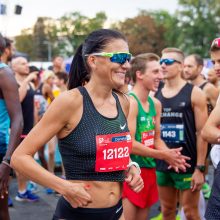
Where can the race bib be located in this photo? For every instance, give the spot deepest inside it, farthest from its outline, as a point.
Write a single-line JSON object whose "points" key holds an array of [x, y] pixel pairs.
{"points": [[173, 133], [147, 138], [112, 152]]}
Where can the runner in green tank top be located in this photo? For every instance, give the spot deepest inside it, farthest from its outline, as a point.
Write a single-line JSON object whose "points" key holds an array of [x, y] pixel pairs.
{"points": [[144, 126], [145, 129]]}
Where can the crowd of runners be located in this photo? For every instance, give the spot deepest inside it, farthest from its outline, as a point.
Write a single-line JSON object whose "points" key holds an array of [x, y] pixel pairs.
{"points": [[131, 131]]}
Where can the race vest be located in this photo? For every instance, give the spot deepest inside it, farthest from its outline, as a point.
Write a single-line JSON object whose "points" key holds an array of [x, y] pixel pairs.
{"points": [[145, 130]]}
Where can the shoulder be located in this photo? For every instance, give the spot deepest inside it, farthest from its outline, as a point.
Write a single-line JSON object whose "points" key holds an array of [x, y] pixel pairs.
{"points": [[124, 101], [198, 95], [210, 88], [69, 100], [157, 104], [7, 77]]}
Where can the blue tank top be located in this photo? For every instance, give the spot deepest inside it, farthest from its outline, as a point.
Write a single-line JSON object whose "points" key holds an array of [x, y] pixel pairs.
{"points": [[78, 149], [4, 123]]}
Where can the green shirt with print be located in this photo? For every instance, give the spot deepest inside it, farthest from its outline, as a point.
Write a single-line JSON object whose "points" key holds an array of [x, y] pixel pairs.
{"points": [[145, 129]]}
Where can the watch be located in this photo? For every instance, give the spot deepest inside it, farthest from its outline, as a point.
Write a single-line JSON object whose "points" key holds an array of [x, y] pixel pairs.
{"points": [[201, 168]]}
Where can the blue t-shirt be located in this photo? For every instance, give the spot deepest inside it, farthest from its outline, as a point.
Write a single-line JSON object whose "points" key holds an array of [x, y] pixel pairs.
{"points": [[4, 123]]}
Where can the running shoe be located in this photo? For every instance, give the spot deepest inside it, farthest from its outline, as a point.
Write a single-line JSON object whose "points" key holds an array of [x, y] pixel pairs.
{"points": [[27, 196], [10, 202], [178, 217], [32, 187], [158, 217], [49, 191], [207, 195], [206, 190]]}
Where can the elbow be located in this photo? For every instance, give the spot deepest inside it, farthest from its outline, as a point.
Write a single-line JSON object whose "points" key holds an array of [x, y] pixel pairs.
{"points": [[205, 134], [15, 158]]}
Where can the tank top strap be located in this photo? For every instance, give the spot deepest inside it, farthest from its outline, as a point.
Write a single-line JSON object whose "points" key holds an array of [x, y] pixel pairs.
{"points": [[138, 101], [88, 101], [152, 109], [41, 88], [203, 85], [118, 104]]}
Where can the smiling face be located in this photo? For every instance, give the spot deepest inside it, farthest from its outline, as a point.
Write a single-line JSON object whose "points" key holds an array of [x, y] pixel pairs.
{"points": [[152, 75], [110, 73]]}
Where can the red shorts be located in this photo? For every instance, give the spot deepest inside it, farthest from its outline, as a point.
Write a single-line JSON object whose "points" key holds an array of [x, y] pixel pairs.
{"points": [[148, 195]]}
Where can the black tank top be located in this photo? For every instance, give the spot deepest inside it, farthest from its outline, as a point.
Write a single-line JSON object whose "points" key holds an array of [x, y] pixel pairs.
{"points": [[178, 125], [209, 105], [28, 110], [78, 149]]}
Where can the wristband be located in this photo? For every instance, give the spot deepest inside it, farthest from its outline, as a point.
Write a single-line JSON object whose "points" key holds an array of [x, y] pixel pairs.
{"points": [[132, 163]]}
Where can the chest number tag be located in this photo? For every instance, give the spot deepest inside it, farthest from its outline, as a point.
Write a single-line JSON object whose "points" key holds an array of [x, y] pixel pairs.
{"points": [[147, 138], [173, 133], [112, 152]]}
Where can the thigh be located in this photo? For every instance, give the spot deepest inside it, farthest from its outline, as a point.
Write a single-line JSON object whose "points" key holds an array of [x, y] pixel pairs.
{"points": [[168, 197], [189, 199], [130, 210], [182, 181]]}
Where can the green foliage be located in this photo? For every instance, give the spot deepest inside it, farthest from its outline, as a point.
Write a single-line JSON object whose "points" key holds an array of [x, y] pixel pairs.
{"points": [[24, 43], [199, 24], [191, 28], [63, 35], [169, 24], [142, 33], [74, 27]]}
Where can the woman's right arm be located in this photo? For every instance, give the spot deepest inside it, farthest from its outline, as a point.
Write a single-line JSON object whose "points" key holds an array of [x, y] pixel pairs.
{"points": [[54, 120]]}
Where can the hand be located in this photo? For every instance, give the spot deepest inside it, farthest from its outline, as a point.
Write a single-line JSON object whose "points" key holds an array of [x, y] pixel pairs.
{"points": [[31, 76], [197, 180], [176, 160], [4, 178], [134, 179], [76, 194]]}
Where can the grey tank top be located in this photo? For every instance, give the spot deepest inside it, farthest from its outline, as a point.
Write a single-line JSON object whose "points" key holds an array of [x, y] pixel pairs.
{"points": [[78, 149]]}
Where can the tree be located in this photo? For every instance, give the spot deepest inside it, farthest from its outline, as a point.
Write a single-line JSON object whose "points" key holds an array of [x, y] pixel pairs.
{"points": [[41, 46], [24, 43], [74, 28], [169, 25], [199, 23], [143, 34]]}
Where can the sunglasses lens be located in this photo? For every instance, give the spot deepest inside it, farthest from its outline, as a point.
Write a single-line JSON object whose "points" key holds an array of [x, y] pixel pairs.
{"points": [[167, 61], [120, 58]]}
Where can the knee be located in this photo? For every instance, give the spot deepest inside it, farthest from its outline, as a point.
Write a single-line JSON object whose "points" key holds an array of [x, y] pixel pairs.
{"points": [[191, 213], [169, 212]]}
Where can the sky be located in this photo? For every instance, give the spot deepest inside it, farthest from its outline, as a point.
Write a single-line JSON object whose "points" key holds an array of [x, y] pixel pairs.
{"points": [[11, 24]]}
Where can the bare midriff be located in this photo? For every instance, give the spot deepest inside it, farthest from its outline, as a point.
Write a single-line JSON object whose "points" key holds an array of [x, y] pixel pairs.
{"points": [[104, 194]]}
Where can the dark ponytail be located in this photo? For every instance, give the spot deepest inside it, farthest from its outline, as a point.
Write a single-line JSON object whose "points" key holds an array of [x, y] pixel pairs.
{"points": [[77, 70], [94, 43]]}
